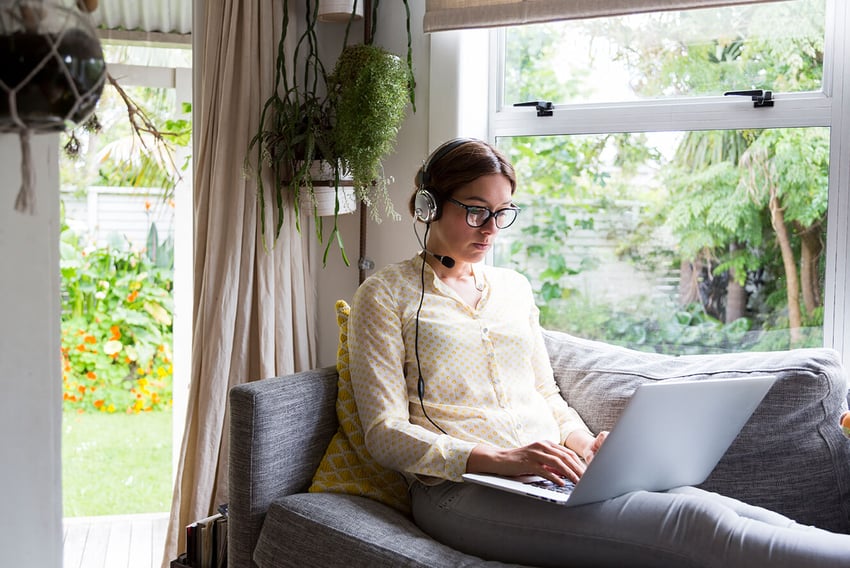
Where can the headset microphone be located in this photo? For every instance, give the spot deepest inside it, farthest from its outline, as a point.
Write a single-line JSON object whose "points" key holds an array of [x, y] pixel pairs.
{"points": [[446, 261]]}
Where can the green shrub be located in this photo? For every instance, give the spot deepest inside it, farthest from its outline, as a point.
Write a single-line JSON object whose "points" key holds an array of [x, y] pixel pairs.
{"points": [[116, 328], [659, 326]]}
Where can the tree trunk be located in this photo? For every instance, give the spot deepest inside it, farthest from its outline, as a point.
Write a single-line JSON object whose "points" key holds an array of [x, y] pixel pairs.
{"points": [[689, 282], [736, 301], [810, 251], [736, 295], [792, 282]]}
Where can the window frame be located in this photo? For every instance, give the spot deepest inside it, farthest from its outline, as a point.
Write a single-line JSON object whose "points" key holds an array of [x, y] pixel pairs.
{"points": [[829, 107]]}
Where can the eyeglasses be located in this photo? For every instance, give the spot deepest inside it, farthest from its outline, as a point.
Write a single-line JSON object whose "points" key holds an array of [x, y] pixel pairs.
{"points": [[478, 216]]}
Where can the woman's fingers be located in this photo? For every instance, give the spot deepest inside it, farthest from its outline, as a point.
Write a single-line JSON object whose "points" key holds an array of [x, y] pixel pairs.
{"points": [[547, 459], [553, 461], [594, 447]]}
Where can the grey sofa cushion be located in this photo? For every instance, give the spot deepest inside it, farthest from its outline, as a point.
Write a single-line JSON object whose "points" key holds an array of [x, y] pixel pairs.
{"points": [[331, 529], [791, 455]]}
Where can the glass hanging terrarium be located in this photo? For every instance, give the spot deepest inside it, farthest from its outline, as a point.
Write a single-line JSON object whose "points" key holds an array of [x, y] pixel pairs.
{"points": [[52, 74]]}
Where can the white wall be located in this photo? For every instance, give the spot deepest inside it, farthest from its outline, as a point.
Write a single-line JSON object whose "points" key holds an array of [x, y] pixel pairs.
{"points": [[389, 241], [30, 392]]}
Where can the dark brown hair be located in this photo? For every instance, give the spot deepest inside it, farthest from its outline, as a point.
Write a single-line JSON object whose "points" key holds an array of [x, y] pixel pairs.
{"points": [[462, 164]]}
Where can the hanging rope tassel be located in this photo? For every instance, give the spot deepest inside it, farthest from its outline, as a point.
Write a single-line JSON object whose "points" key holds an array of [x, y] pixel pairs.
{"points": [[25, 202]]}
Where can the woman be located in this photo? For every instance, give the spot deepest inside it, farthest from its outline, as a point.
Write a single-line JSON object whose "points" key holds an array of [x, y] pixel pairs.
{"points": [[451, 375]]}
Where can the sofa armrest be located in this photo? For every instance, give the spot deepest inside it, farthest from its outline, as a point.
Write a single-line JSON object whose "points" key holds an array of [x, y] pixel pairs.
{"points": [[279, 430], [790, 457]]}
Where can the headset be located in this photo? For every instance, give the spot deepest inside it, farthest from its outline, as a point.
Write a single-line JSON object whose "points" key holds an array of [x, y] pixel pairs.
{"points": [[425, 206]]}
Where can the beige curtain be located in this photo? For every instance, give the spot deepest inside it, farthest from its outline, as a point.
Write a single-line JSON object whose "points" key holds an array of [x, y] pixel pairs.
{"points": [[464, 14], [254, 309]]}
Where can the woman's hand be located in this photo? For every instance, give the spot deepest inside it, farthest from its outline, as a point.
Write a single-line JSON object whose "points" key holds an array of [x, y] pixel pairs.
{"points": [[584, 444], [546, 459], [594, 446]]}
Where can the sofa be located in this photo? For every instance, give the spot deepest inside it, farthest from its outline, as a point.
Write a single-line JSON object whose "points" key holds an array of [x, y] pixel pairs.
{"points": [[791, 456]]}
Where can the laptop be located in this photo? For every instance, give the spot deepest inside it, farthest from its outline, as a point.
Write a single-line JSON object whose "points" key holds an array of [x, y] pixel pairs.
{"points": [[671, 433]]}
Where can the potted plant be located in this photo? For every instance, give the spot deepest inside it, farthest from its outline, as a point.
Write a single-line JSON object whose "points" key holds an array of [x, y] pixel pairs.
{"points": [[300, 125], [370, 89]]}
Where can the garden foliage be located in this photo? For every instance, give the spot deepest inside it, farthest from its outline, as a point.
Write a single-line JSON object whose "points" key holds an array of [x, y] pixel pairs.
{"points": [[116, 325]]}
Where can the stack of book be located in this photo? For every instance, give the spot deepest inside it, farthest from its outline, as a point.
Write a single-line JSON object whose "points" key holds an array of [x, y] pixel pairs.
{"points": [[206, 541]]}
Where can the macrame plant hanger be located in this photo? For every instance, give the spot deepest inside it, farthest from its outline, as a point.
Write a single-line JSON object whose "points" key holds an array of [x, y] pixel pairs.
{"points": [[53, 73]]}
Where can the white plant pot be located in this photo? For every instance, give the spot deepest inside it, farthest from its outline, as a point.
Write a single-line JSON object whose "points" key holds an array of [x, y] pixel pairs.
{"points": [[325, 201], [339, 10], [324, 198]]}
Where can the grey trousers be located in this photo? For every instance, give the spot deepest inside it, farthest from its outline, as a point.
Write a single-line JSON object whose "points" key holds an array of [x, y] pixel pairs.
{"points": [[684, 527]]}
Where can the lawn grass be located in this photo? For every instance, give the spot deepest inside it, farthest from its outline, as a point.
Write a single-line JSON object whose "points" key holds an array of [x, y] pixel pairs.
{"points": [[114, 464]]}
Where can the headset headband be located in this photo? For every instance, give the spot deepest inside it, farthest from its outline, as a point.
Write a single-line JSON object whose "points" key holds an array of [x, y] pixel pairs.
{"points": [[436, 155]]}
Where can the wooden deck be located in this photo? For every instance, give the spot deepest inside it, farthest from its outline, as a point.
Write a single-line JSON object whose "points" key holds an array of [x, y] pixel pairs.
{"points": [[125, 541]]}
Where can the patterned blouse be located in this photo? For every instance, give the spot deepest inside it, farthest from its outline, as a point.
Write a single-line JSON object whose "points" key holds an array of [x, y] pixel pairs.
{"points": [[486, 373]]}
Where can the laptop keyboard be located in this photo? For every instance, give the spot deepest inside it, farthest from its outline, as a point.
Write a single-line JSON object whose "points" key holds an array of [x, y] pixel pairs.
{"points": [[552, 486]]}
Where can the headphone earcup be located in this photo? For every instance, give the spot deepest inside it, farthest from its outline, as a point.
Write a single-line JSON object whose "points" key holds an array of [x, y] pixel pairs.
{"points": [[425, 206]]}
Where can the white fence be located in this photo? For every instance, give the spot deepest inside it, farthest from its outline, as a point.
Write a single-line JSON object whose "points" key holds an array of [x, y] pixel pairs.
{"points": [[127, 212]]}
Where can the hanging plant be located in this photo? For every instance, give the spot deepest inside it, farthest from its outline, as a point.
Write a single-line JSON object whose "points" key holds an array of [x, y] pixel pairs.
{"points": [[299, 124], [53, 74], [369, 88]]}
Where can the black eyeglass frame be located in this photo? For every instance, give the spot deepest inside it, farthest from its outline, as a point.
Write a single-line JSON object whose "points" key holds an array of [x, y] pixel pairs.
{"points": [[490, 214]]}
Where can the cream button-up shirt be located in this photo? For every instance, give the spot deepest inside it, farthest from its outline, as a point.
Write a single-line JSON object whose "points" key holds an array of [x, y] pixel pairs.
{"points": [[486, 372]]}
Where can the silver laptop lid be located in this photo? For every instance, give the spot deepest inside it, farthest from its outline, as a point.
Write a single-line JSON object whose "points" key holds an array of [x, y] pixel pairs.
{"points": [[671, 433]]}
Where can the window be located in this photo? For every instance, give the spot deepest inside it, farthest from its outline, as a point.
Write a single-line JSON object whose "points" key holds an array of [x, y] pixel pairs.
{"points": [[659, 213]]}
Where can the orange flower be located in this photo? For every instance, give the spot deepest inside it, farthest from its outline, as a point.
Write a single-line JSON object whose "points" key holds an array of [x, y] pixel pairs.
{"points": [[91, 375], [81, 347], [131, 297], [147, 205], [116, 332], [82, 389], [98, 403], [90, 339]]}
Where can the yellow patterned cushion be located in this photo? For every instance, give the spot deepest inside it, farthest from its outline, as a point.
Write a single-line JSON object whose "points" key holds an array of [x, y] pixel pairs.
{"points": [[347, 466]]}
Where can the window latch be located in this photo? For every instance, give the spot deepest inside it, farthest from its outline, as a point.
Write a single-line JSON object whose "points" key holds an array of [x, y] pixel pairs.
{"points": [[544, 108], [761, 98]]}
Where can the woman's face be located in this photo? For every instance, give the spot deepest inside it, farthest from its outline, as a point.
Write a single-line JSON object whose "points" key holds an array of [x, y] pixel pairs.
{"points": [[451, 235]]}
